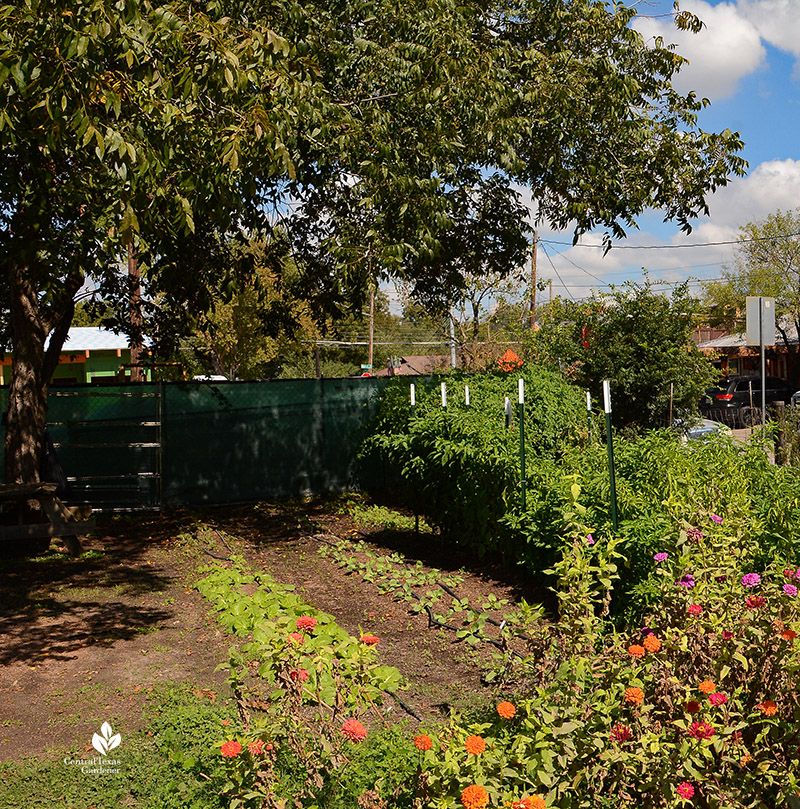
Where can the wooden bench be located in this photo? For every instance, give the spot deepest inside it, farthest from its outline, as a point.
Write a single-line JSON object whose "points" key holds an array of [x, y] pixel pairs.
{"points": [[32, 511]]}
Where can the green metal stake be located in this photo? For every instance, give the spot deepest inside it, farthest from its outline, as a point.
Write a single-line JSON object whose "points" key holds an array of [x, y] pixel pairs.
{"points": [[522, 442], [610, 445]]}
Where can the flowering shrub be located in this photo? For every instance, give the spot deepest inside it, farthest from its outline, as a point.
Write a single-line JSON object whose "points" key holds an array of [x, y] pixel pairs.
{"points": [[703, 712]]}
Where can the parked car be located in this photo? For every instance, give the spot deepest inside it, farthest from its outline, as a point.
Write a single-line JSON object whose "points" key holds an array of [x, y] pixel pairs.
{"points": [[731, 401], [705, 429]]}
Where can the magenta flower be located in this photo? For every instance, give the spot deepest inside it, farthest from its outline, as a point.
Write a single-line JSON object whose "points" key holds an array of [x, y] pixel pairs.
{"points": [[716, 518], [751, 580], [790, 589], [717, 698], [694, 609], [661, 557], [686, 581], [685, 790], [589, 539], [694, 533]]}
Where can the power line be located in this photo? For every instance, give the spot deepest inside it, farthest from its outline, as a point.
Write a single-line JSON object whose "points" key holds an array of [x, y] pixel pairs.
{"points": [[677, 246], [544, 250]]}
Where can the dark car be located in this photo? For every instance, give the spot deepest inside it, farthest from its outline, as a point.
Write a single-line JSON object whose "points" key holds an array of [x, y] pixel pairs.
{"points": [[731, 401]]}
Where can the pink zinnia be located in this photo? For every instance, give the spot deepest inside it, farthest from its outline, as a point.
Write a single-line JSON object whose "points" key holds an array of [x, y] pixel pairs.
{"points": [[306, 622], [728, 635], [790, 589], [231, 749], [717, 698], [716, 518], [694, 609], [354, 730], [701, 730], [685, 790]]}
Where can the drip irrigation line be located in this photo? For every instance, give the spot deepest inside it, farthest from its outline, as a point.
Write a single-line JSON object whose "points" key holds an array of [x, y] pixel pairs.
{"points": [[405, 706], [214, 555]]}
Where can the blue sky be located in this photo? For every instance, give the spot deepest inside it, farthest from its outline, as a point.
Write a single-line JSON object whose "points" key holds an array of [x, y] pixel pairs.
{"points": [[746, 61]]}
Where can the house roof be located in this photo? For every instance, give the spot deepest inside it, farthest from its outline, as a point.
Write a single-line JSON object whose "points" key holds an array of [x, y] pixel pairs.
{"points": [[739, 340], [419, 365], [94, 338]]}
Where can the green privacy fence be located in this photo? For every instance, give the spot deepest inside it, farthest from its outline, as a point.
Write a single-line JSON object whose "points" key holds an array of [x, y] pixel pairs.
{"points": [[143, 446]]}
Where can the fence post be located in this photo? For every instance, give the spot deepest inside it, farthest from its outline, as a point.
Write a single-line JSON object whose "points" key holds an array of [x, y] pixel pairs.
{"points": [[413, 401], [589, 414], [522, 442], [610, 445]]}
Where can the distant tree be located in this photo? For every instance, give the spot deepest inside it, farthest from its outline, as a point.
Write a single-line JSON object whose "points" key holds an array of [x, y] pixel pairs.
{"points": [[638, 339], [767, 262]]}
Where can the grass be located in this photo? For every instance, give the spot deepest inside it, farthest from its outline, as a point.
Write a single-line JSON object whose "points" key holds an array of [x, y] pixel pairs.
{"points": [[160, 768]]}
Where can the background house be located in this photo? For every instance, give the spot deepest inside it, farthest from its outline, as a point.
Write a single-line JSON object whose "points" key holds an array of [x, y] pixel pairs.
{"points": [[90, 354]]}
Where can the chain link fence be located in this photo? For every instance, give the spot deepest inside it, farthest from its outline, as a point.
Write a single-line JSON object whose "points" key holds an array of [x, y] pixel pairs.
{"points": [[189, 443]]}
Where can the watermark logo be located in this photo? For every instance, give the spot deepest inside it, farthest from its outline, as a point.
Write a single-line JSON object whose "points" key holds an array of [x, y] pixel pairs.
{"points": [[106, 740]]}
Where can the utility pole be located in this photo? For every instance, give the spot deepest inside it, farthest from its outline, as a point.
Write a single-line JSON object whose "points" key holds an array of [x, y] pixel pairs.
{"points": [[551, 290], [533, 281], [135, 293], [371, 325]]}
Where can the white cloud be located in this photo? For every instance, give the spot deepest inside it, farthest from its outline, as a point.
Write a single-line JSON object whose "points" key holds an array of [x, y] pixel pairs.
{"points": [[727, 49], [777, 21]]}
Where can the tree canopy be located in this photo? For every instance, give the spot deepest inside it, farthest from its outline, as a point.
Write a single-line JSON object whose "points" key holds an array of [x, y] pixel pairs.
{"points": [[367, 127], [767, 262], [638, 339]]}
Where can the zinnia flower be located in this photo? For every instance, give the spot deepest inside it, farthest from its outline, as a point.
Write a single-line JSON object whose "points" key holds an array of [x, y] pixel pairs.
{"points": [[728, 635], [754, 602], [354, 730], [685, 790], [652, 643], [751, 580], [692, 706], [789, 572], [506, 710], [296, 637], [790, 589], [423, 742], [717, 698], [767, 707], [306, 622], [716, 518], [661, 556], [475, 745], [694, 609], [256, 748], [589, 539], [636, 650], [474, 797], [300, 674], [621, 733], [370, 640], [694, 533], [700, 730], [745, 760], [534, 802], [231, 749], [788, 634], [634, 695], [686, 581], [706, 687]]}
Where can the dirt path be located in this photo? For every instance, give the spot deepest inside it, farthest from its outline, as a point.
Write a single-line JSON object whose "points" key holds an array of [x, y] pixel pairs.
{"points": [[83, 641]]}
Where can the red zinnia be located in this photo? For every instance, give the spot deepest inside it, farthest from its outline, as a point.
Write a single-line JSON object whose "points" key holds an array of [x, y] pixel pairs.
{"points": [[754, 602], [306, 622], [474, 797], [506, 710], [354, 730], [621, 733], [692, 706], [701, 730], [694, 609], [370, 640], [231, 749], [475, 745], [256, 747], [300, 674], [717, 698], [296, 637], [423, 742]]}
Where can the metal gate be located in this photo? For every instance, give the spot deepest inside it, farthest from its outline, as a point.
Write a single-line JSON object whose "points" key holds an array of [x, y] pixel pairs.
{"points": [[109, 442]]}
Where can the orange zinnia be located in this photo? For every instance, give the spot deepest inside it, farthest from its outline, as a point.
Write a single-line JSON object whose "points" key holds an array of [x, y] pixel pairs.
{"points": [[634, 695], [652, 643], [506, 710], [767, 707], [636, 650], [475, 745], [707, 687], [474, 797], [788, 634], [534, 802]]}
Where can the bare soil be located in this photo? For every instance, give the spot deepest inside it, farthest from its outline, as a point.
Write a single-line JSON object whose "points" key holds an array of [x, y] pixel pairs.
{"points": [[84, 640]]}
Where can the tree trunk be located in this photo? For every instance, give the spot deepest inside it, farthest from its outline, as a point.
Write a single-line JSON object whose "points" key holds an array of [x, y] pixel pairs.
{"points": [[135, 291], [27, 401]]}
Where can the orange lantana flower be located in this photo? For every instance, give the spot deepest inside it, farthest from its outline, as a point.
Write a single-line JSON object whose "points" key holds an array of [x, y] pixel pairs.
{"points": [[707, 687], [767, 707], [652, 643], [474, 797], [506, 710], [475, 745], [636, 650], [634, 695]]}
